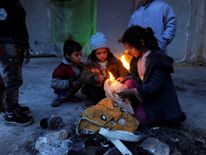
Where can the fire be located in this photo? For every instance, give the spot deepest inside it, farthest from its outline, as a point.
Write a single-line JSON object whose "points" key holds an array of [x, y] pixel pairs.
{"points": [[124, 62], [111, 77]]}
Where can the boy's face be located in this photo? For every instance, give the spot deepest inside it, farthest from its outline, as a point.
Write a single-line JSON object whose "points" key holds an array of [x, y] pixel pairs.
{"points": [[101, 54], [75, 57]]}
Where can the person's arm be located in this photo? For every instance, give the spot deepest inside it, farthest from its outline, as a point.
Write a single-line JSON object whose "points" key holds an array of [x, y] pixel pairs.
{"points": [[86, 76], [57, 83], [131, 21], [170, 25], [58, 80], [149, 90]]}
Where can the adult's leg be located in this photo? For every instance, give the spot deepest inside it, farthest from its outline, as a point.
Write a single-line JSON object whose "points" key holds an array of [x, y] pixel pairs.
{"points": [[11, 62], [12, 76]]}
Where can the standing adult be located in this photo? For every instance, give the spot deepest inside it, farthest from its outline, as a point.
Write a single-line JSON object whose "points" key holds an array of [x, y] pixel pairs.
{"points": [[159, 16], [14, 46]]}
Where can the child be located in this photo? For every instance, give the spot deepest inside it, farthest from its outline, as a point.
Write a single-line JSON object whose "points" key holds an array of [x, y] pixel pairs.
{"points": [[65, 79], [157, 102], [99, 63]]}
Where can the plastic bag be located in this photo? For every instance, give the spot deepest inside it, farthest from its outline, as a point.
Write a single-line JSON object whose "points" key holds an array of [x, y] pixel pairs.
{"points": [[111, 88]]}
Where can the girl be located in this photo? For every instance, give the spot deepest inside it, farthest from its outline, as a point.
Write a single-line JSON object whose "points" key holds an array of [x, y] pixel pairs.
{"points": [[99, 63], [156, 97], [65, 79]]}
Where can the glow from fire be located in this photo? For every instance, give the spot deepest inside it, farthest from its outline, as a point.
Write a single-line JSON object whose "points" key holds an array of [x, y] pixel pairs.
{"points": [[111, 77], [124, 62]]}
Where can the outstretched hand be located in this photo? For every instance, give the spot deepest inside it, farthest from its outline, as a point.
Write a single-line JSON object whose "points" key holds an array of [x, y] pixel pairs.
{"points": [[126, 93], [98, 80], [120, 79]]}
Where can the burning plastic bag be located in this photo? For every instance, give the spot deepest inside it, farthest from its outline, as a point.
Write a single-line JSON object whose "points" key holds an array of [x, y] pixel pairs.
{"points": [[111, 88]]}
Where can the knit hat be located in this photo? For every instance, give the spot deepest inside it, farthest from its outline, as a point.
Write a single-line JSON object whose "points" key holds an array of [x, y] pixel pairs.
{"points": [[98, 40]]}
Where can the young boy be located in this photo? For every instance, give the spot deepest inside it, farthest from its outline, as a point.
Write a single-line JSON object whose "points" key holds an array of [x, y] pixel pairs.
{"points": [[65, 79]]}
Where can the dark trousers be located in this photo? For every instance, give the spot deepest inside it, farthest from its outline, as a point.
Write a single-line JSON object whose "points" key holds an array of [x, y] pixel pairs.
{"points": [[93, 93], [1, 93], [11, 60]]}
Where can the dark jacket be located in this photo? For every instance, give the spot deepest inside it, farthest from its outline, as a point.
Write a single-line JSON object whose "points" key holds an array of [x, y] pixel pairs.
{"points": [[92, 90], [13, 28], [114, 66], [159, 97]]}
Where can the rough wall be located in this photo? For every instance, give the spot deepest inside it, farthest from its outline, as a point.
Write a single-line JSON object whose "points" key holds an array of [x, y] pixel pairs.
{"points": [[38, 23], [195, 52], [112, 19], [113, 22], [181, 8]]}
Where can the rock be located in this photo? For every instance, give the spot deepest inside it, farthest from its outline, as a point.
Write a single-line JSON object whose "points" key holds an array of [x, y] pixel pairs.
{"points": [[54, 143], [155, 147]]}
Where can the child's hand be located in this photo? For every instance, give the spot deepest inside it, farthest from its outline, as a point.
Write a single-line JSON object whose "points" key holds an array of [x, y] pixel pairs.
{"points": [[126, 93], [98, 80], [120, 79], [75, 83]]}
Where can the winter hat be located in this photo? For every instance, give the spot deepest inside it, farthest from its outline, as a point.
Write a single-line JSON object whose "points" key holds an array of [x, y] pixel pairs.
{"points": [[98, 40]]}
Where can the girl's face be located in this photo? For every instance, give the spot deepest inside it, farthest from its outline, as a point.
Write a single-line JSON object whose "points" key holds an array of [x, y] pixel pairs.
{"points": [[132, 50], [75, 57], [101, 54]]}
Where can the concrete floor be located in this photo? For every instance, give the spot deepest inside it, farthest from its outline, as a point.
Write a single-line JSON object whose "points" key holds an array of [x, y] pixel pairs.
{"points": [[37, 94]]}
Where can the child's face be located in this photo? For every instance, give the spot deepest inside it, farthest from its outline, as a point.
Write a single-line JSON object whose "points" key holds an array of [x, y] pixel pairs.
{"points": [[132, 50], [101, 54], [75, 57]]}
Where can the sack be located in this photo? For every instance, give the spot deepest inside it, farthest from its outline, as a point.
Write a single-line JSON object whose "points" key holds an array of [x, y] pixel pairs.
{"points": [[108, 120], [106, 114], [111, 88]]}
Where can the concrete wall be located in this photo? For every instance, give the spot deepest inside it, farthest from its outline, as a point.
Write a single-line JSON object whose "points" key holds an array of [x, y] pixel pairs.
{"points": [[181, 8], [113, 22], [112, 19], [38, 23]]}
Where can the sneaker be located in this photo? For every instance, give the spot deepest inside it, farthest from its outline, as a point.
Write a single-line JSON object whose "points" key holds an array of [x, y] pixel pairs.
{"points": [[17, 118], [56, 103], [23, 109]]}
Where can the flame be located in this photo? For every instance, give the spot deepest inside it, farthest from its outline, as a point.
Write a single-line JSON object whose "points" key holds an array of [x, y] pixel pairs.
{"points": [[124, 62], [111, 77]]}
